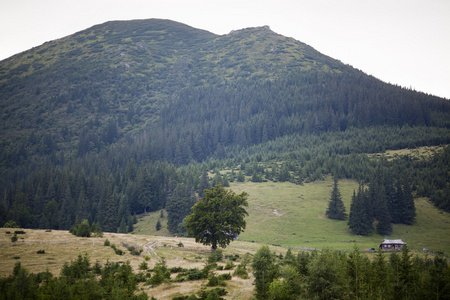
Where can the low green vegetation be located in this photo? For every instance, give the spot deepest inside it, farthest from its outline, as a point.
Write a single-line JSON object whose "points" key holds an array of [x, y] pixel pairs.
{"points": [[336, 275]]}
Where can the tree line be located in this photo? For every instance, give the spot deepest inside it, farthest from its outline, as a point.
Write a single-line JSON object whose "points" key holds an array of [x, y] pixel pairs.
{"points": [[336, 275]]}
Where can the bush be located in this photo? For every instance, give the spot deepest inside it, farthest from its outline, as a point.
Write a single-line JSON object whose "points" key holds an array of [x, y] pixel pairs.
{"points": [[229, 266], [241, 271], [19, 232], [11, 224], [42, 251], [215, 256], [194, 274], [107, 243], [215, 281], [177, 270], [14, 238], [143, 266], [225, 276]]}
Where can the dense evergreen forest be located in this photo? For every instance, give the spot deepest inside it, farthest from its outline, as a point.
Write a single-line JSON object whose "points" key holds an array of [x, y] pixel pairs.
{"points": [[128, 117]]}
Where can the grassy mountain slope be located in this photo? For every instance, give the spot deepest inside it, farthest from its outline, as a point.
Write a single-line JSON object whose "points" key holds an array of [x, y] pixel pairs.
{"points": [[124, 72], [290, 215]]}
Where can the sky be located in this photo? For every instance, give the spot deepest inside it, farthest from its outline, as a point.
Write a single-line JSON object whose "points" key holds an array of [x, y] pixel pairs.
{"points": [[403, 42]]}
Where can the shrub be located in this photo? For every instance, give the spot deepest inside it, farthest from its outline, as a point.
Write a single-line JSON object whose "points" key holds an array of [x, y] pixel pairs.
{"points": [[143, 266], [194, 274], [14, 238], [213, 293], [229, 266], [225, 276], [11, 224], [42, 251], [215, 256], [241, 271], [215, 281], [177, 270], [19, 232], [147, 257], [107, 243]]}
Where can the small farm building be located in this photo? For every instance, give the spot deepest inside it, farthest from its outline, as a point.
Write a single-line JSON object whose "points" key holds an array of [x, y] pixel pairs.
{"points": [[389, 245]]}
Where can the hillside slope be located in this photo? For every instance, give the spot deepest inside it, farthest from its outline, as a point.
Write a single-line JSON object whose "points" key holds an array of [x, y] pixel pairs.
{"points": [[129, 115]]}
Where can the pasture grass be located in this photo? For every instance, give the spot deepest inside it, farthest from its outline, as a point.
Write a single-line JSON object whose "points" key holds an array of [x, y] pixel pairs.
{"points": [[292, 215]]}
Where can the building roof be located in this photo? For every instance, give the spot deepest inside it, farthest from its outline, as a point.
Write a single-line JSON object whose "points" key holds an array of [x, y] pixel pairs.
{"points": [[397, 242]]}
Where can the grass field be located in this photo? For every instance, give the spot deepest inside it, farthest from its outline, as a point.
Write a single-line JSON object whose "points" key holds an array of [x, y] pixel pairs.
{"points": [[293, 215], [61, 247]]}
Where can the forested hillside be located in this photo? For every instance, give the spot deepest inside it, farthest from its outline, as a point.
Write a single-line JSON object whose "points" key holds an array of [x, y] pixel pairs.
{"points": [[128, 116]]}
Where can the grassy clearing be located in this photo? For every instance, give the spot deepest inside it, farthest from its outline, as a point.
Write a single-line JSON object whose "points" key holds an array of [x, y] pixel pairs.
{"points": [[425, 152], [61, 247], [147, 224], [294, 216]]}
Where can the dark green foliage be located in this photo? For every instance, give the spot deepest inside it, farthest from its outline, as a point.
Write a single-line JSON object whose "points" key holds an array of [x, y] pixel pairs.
{"points": [[158, 225], [179, 206], [218, 217], [14, 238], [360, 220], [241, 271], [85, 230], [264, 270], [336, 208], [160, 274], [326, 276]]}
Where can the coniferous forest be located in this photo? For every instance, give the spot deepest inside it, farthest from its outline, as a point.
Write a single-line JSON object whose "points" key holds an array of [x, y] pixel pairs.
{"points": [[129, 117]]}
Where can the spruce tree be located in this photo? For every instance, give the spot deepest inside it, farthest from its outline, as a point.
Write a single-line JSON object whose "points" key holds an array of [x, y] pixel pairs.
{"points": [[391, 199], [158, 225], [359, 221], [377, 196], [408, 212], [336, 208]]}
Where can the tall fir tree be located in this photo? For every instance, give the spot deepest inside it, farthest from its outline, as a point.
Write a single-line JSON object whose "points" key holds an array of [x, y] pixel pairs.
{"points": [[359, 220], [377, 196], [204, 183], [408, 212], [336, 208], [391, 198]]}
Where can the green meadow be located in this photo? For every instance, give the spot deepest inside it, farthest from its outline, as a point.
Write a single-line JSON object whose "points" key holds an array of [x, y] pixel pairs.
{"points": [[290, 215]]}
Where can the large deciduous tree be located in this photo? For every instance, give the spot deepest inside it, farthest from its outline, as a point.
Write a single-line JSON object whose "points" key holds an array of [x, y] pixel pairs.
{"points": [[218, 217]]}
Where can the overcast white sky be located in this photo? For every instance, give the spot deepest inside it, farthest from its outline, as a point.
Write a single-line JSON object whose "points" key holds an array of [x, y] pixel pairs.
{"points": [[405, 42]]}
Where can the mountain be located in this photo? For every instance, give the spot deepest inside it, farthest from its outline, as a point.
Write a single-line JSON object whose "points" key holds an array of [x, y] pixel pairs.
{"points": [[129, 114]]}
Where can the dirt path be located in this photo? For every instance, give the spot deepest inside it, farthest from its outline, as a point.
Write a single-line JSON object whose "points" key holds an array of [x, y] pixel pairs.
{"points": [[149, 249]]}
